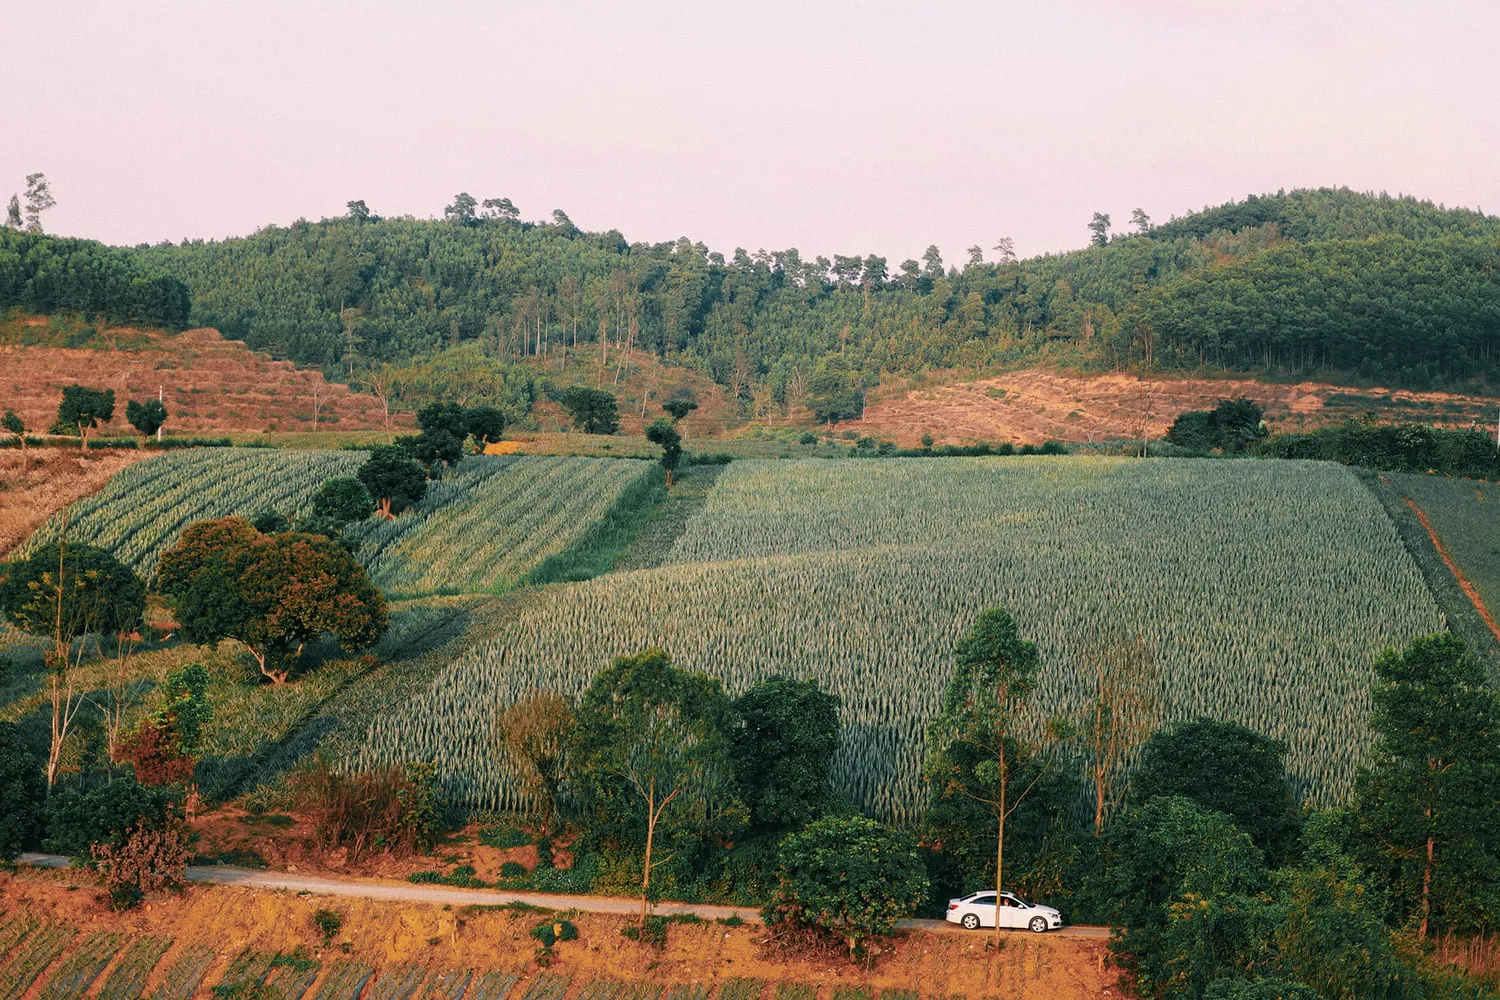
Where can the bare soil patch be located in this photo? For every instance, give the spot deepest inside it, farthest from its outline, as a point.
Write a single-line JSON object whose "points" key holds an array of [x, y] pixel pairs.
{"points": [[386, 934], [1029, 407], [209, 384]]}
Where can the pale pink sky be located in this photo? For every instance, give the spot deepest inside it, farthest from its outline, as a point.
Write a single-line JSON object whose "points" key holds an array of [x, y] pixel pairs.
{"points": [[832, 127]]}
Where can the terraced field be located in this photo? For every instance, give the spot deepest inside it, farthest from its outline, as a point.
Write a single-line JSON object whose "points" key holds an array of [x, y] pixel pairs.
{"points": [[1263, 589], [480, 530]]}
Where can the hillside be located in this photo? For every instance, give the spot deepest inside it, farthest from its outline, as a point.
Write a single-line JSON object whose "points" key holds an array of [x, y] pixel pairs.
{"points": [[209, 384], [1029, 407], [1322, 284]]}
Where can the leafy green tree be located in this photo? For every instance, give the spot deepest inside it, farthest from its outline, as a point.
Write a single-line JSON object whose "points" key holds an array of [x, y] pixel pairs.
{"points": [[651, 755], [848, 876], [462, 209], [1427, 817], [90, 809], [13, 213], [268, 522], [976, 746], [665, 435], [393, 479], [833, 393], [533, 735], [273, 593], [501, 210], [1189, 888], [358, 211], [343, 500], [146, 417], [163, 747], [38, 200], [783, 751], [23, 789], [68, 592], [1229, 768], [485, 424], [85, 409], [1141, 221], [680, 404], [441, 441], [1099, 229], [593, 410], [15, 425]]}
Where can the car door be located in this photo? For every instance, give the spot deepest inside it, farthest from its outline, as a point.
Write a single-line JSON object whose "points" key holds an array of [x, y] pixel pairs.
{"points": [[984, 907], [1010, 913]]}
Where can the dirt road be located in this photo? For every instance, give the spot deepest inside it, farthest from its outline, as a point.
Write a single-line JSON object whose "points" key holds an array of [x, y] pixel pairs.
{"points": [[405, 892]]}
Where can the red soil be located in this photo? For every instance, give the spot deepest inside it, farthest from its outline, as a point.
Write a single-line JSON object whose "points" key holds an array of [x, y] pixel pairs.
{"points": [[210, 385], [1028, 407]]}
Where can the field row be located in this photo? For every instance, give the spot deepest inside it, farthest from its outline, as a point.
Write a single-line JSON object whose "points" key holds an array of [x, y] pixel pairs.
{"points": [[54, 962], [1263, 590]]}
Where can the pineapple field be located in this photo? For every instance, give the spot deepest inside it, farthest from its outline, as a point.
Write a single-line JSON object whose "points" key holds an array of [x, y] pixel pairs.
{"points": [[1263, 590]]}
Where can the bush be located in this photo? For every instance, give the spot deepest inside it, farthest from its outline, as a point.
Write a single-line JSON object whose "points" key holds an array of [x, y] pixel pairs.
{"points": [[149, 860], [327, 923], [504, 837], [393, 809], [549, 932], [846, 876], [23, 789], [101, 809], [512, 869], [343, 499]]}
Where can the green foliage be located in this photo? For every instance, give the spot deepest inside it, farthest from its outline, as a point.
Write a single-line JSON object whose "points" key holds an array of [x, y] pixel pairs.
{"points": [[1331, 937], [1226, 767], [146, 417], [593, 410], [1189, 888], [504, 837], [162, 748], [268, 522], [1228, 427], [1395, 448], [85, 408], [485, 424], [833, 393], [849, 877], [441, 442], [95, 595], [275, 593], [650, 755], [393, 478], [343, 500], [783, 751], [680, 404], [1259, 989], [49, 274], [863, 575], [85, 810], [665, 435], [23, 789], [1427, 819], [599, 548]]}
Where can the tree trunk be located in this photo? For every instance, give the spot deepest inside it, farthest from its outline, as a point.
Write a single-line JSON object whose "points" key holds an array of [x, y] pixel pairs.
{"points": [[385, 509], [1427, 887], [1000, 849], [651, 816]]}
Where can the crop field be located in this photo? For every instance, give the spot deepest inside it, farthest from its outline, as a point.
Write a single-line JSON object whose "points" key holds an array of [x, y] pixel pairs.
{"points": [[490, 521], [1263, 590], [479, 530], [1466, 516], [143, 509]]}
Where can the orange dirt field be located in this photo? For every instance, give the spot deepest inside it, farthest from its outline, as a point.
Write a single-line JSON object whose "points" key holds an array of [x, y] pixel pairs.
{"points": [[385, 934], [209, 384], [1029, 407], [55, 478]]}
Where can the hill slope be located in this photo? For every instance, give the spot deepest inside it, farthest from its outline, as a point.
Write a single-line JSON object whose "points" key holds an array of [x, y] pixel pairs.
{"points": [[209, 384]]}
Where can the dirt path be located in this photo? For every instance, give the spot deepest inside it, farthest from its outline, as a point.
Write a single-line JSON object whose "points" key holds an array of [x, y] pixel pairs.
{"points": [[246, 878]]}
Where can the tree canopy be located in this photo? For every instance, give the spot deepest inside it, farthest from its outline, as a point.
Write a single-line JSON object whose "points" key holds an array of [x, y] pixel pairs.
{"points": [[274, 593], [783, 751], [95, 593], [393, 479]]}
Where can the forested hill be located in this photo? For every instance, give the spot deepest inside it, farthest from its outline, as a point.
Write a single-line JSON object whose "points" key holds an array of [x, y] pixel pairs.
{"points": [[1317, 282]]}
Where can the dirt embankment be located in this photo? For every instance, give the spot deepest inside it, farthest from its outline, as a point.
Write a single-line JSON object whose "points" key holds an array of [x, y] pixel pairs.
{"points": [[385, 935], [1028, 407], [208, 384]]}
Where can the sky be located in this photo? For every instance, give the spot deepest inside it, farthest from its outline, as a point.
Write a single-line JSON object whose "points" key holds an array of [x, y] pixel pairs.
{"points": [[837, 127]]}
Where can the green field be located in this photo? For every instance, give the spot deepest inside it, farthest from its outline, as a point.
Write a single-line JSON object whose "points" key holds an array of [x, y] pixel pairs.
{"points": [[481, 529], [1466, 516], [1263, 589]]}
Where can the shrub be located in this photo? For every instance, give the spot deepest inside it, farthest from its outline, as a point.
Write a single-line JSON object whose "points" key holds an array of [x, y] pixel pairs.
{"points": [[149, 860], [504, 837], [512, 869], [327, 923], [101, 809], [392, 808], [23, 790], [549, 932]]}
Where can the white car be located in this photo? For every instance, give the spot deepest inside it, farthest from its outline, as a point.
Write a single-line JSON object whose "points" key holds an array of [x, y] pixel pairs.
{"points": [[978, 910]]}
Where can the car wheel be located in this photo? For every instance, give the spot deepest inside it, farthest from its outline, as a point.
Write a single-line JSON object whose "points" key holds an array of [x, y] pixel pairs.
{"points": [[1038, 924], [970, 922]]}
